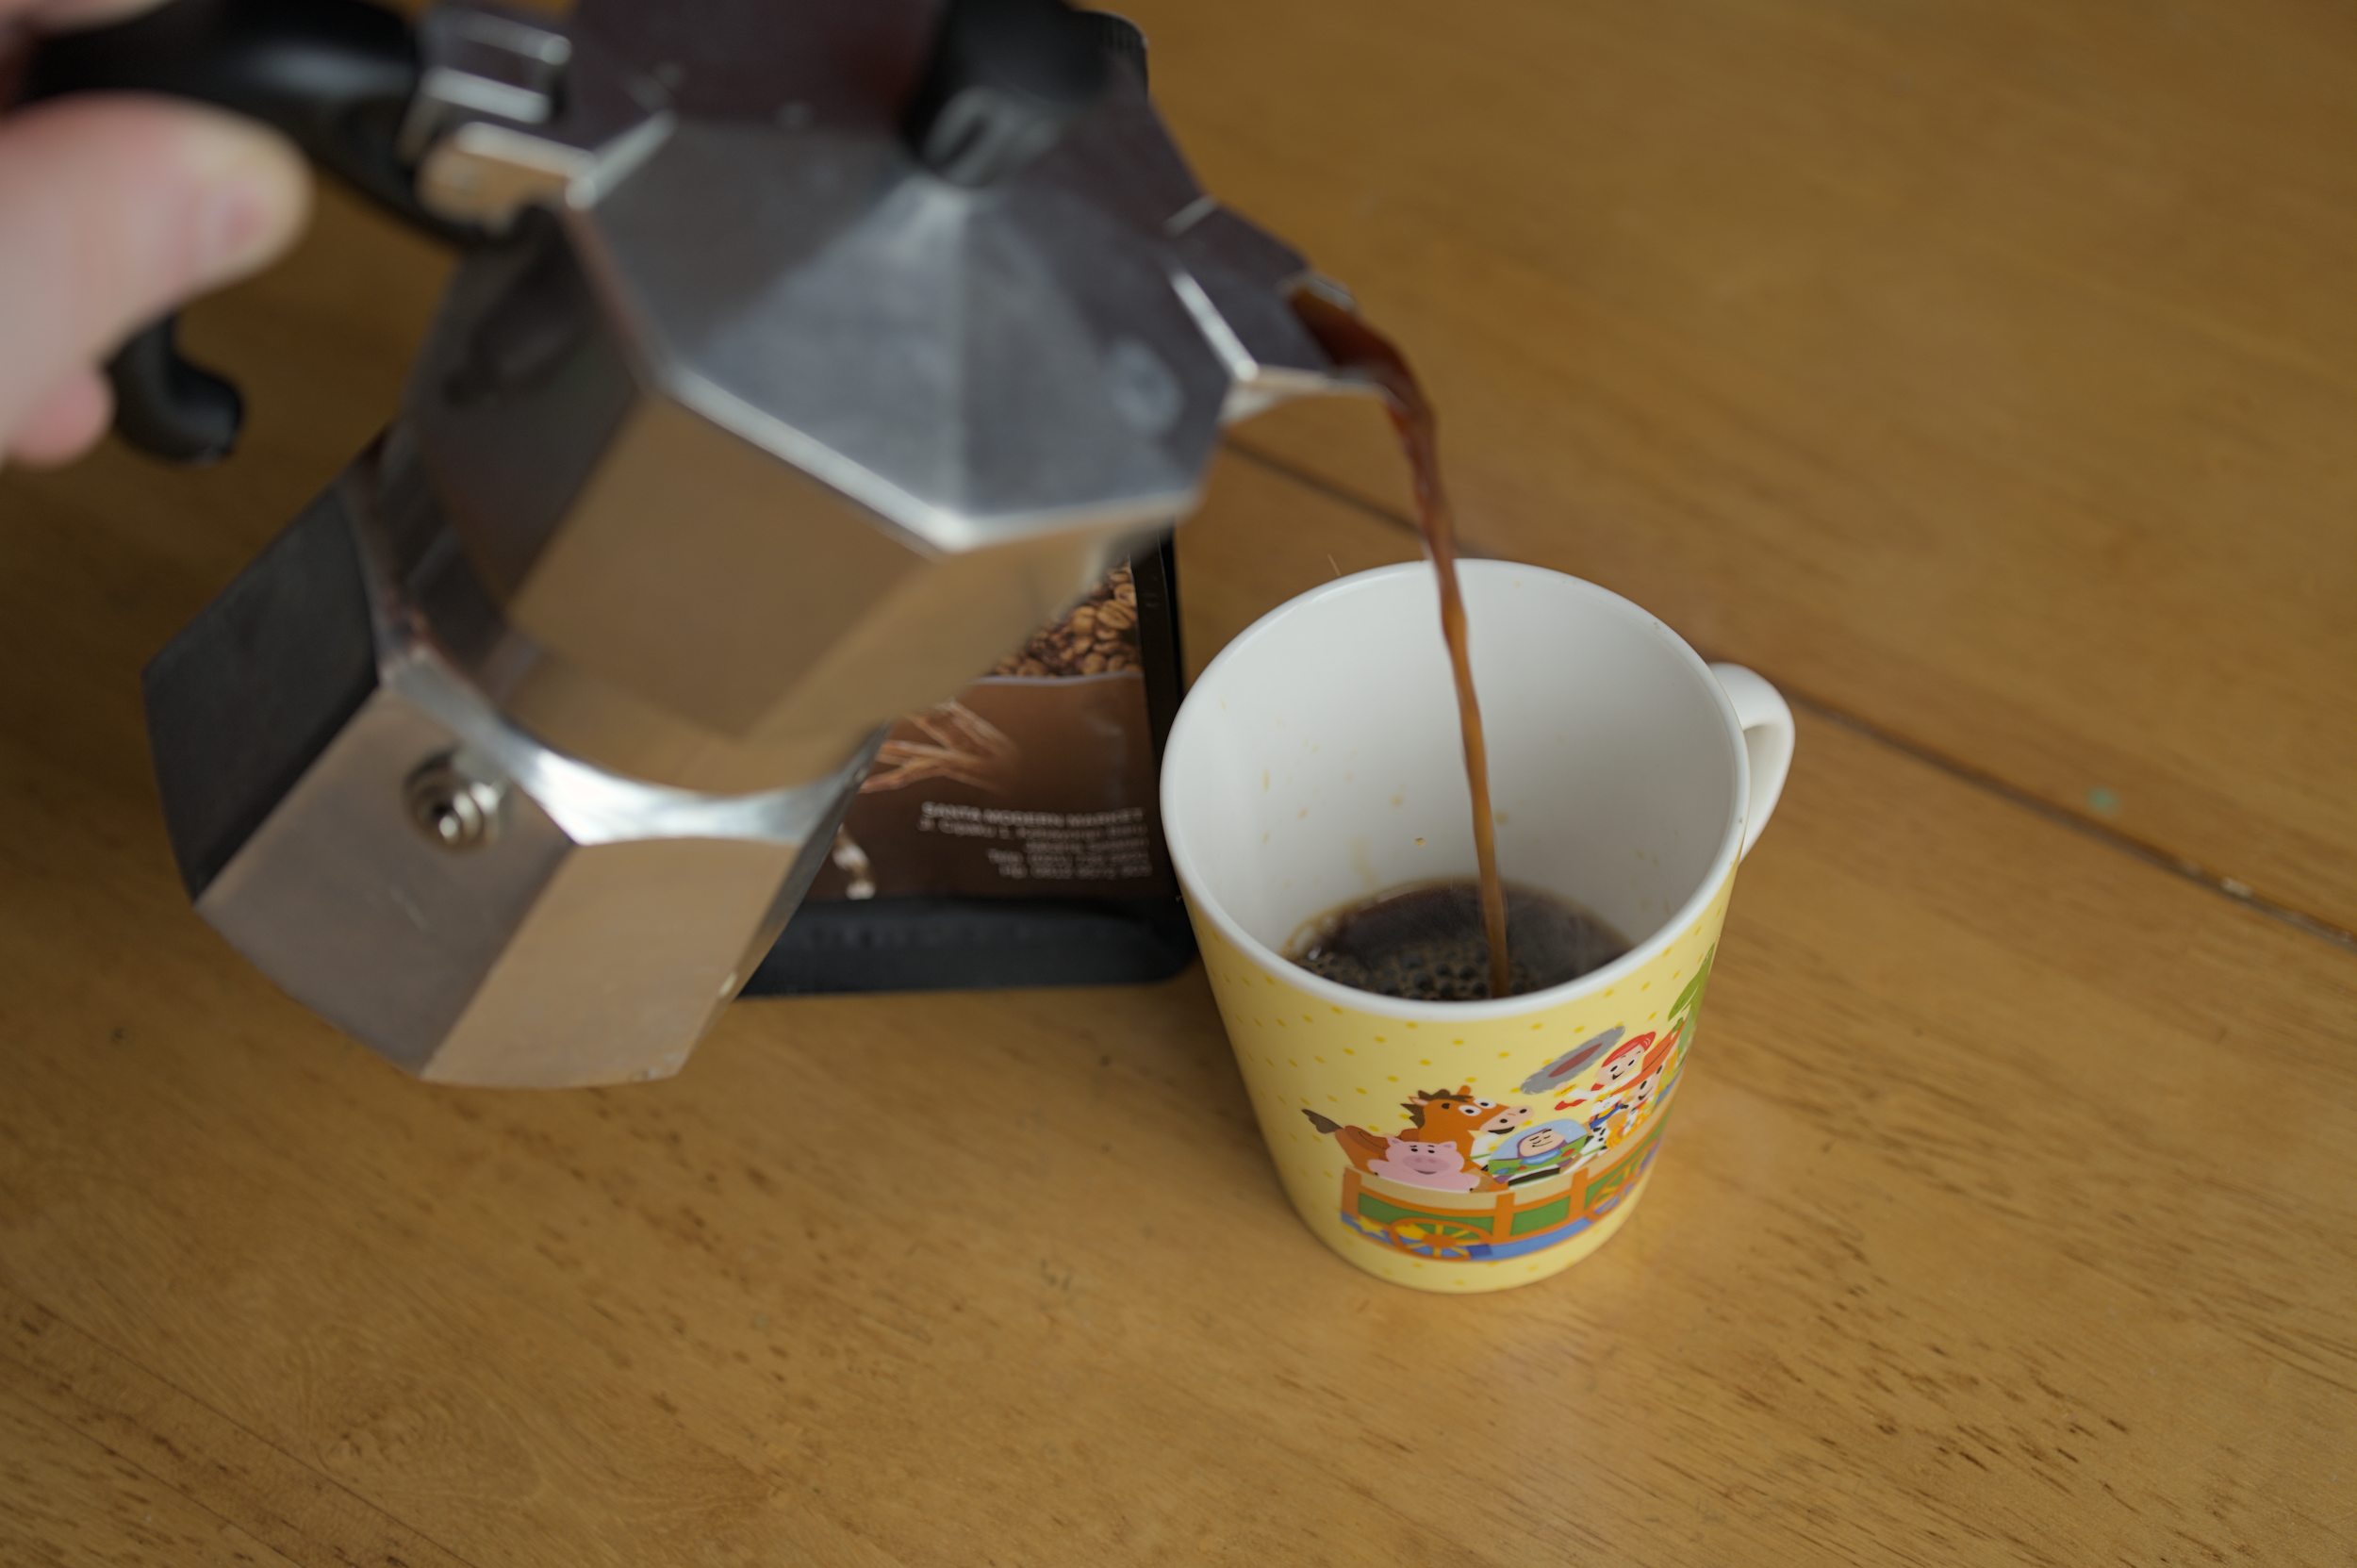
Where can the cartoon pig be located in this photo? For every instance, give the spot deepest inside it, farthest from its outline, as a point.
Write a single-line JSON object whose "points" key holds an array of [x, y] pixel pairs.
{"points": [[1440, 1167]]}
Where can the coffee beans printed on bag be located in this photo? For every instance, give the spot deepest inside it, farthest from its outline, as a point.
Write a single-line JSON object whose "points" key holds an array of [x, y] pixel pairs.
{"points": [[1098, 636]]}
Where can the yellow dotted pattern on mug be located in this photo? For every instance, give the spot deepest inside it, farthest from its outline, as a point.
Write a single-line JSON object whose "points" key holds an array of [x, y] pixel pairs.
{"points": [[1348, 1064]]}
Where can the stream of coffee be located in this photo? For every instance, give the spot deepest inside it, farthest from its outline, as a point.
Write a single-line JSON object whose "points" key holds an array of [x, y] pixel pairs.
{"points": [[1354, 346]]}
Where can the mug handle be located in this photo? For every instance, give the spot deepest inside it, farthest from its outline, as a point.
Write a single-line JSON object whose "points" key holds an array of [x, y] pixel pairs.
{"points": [[1767, 736]]}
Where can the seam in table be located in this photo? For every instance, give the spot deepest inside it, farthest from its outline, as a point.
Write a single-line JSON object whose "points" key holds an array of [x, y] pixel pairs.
{"points": [[232, 1421], [2159, 856], [183, 1494]]}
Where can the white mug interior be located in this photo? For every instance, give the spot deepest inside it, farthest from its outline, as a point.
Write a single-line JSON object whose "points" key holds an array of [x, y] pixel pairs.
{"points": [[1318, 760]]}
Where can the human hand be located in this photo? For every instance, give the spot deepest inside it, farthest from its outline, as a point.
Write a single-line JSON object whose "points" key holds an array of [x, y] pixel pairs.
{"points": [[114, 209]]}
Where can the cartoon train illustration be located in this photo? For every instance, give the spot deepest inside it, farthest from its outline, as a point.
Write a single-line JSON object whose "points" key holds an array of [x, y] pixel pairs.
{"points": [[1472, 1180], [1525, 1216]]}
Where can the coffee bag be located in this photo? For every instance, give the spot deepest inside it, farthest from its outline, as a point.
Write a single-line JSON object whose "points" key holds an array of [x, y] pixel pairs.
{"points": [[1012, 836]]}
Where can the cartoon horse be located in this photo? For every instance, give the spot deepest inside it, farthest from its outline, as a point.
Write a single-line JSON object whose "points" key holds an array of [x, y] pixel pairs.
{"points": [[1440, 1118]]}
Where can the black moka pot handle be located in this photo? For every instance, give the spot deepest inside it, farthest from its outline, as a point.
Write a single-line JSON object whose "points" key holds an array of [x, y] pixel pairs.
{"points": [[334, 76]]}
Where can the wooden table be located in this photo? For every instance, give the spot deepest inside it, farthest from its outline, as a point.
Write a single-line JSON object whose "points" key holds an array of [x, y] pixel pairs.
{"points": [[2012, 1216], [1987, 371]]}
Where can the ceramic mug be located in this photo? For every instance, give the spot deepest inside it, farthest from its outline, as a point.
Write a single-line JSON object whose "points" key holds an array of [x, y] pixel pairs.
{"points": [[1466, 1146]]}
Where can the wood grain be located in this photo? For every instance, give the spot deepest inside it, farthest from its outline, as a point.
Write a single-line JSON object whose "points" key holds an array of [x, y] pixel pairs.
{"points": [[2012, 1214], [66, 1499], [1987, 371], [2010, 1220]]}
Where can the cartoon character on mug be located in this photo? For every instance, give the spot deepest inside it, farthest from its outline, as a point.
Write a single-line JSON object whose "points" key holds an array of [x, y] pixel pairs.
{"points": [[1441, 1166], [1625, 1086], [1548, 1149], [1653, 1076], [1456, 1119]]}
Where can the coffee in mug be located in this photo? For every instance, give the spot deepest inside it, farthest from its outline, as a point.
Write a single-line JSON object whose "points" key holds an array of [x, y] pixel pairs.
{"points": [[1426, 942]]}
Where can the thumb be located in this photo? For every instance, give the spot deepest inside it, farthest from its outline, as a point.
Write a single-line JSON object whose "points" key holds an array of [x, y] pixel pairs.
{"points": [[113, 210]]}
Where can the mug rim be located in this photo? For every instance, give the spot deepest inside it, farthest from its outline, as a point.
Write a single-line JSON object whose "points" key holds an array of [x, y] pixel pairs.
{"points": [[1238, 649]]}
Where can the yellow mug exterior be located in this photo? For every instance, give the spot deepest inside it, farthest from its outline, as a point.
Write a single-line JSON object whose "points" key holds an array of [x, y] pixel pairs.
{"points": [[1476, 1155]]}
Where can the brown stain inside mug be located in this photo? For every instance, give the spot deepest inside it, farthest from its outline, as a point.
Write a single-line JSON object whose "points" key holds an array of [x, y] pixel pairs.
{"points": [[1354, 346]]}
